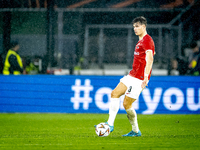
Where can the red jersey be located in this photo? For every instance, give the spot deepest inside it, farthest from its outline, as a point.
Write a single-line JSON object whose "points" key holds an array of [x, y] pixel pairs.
{"points": [[139, 61]]}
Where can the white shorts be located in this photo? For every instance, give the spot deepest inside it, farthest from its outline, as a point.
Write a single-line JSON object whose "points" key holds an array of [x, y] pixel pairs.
{"points": [[133, 86]]}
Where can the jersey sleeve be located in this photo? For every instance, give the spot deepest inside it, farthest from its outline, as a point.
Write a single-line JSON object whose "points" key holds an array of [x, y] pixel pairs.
{"points": [[148, 45]]}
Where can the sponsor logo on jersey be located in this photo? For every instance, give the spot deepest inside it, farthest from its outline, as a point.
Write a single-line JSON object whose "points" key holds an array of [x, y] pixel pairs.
{"points": [[137, 46], [136, 53]]}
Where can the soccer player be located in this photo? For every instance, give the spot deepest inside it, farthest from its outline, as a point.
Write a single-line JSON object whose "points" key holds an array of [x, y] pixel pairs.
{"points": [[137, 79]]}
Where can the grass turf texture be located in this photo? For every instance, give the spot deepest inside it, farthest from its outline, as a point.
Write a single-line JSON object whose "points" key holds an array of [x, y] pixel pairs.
{"points": [[76, 131]]}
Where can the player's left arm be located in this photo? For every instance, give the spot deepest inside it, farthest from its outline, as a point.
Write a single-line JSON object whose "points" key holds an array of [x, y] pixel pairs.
{"points": [[149, 63]]}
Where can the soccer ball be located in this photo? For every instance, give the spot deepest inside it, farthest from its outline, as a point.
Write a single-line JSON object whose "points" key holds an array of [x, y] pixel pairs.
{"points": [[102, 129]]}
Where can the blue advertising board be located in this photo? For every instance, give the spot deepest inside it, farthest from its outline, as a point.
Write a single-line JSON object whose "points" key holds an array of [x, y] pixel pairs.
{"points": [[91, 94]]}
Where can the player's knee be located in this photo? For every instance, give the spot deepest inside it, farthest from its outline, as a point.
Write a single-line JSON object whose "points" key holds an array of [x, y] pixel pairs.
{"points": [[127, 105], [114, 94]]}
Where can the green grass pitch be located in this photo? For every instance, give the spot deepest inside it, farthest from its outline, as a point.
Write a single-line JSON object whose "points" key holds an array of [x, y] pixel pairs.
{"points": [[76, 131]]}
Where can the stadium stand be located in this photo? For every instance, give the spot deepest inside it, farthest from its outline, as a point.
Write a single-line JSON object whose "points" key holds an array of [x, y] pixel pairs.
{"points": [[78, 15], [99, 3]]}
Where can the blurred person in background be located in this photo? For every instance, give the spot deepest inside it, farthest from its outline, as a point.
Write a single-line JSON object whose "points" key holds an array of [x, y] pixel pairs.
{"points": [[2, 56], [174, 67], [179, 66], [194, 60], [13, 63]]}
